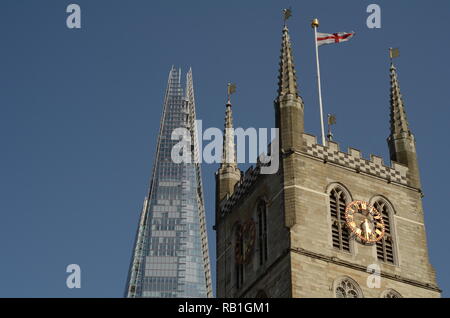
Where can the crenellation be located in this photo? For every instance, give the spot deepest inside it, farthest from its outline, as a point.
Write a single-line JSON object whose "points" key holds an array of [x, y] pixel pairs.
{"points": [[309, 139], [333, 146], [377, 160], [354, 152], [402, 169], [354, 160]]}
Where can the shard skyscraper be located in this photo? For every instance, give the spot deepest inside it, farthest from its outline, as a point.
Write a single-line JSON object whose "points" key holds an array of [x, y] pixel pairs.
{"points": [[170, 257]]}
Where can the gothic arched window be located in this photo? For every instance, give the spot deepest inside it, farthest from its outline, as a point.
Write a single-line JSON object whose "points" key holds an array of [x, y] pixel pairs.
{"points": [[339, 231], [347, 288], [262, 231], [385, 247], [390, 293]]}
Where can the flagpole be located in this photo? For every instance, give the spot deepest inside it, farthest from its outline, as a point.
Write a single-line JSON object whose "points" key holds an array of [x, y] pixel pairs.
{"points": [[315, 24]]}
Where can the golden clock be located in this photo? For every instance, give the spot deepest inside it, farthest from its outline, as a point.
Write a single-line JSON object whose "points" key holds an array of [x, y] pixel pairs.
{"points": [[364, 221]]}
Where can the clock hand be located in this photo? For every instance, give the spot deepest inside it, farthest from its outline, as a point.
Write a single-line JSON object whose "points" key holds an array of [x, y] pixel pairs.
{"points": [[367, 230]]}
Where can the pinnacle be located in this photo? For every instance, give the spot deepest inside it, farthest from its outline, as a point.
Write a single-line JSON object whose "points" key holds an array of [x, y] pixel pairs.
{"points": [[287, 79], [399, 122], [228, 150]]}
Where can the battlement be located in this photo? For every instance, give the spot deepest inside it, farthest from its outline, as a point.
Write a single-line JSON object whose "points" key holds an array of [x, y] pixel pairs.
{"points": [[353, 160], [248, 179]]}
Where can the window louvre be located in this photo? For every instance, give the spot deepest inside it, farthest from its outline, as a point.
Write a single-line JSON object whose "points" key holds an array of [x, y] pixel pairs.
{"points": [[339, 231], [385, 247], [262, 232]]}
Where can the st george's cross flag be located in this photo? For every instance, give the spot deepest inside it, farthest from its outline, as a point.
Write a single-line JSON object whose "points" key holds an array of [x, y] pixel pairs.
{"points": [[329, 38]]}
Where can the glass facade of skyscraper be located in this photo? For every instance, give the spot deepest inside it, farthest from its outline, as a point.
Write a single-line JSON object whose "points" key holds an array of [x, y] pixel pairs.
{"points": [[170, 257]]}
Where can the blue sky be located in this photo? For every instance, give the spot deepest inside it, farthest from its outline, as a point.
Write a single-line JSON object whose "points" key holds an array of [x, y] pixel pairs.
{"points": [[80, 113]]}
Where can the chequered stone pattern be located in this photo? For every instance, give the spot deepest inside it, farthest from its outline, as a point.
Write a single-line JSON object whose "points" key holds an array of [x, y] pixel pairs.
{"points": [[242, 187], [353, 160]]}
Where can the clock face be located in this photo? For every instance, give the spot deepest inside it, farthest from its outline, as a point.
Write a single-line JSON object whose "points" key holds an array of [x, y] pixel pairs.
{"points": [[364, 221], [245, 242]]}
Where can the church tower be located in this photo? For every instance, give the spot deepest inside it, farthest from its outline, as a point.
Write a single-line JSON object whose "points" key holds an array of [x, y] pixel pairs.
{"points": [[329, 223]]}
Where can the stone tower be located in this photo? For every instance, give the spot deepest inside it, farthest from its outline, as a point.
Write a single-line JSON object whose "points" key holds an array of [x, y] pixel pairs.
{"points": [[286, 234]]}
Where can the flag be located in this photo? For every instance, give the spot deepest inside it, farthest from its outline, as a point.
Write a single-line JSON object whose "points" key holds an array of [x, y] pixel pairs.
{"points": [[328, 38]]}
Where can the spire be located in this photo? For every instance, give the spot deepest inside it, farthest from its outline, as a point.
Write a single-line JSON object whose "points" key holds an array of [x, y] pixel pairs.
{"points": [[289, 114], [228, 153], [401, 141], [228, 174], [287, 79], [228, 150], [399, 122]]}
